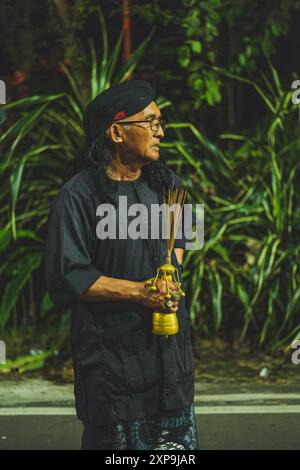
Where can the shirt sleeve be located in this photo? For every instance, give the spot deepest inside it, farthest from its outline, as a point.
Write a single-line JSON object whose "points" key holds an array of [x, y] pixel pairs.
{"points": [[69, 271]]}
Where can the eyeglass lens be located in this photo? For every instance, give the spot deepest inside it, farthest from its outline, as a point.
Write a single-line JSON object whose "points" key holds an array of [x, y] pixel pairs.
{"points": [[158, 122]]}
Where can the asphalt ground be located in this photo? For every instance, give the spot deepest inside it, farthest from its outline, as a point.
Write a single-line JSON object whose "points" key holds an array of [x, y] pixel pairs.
{"points": [[36, 414]]}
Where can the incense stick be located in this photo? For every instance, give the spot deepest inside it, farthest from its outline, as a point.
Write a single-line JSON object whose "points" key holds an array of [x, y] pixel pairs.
{"points": [[174, 196]]}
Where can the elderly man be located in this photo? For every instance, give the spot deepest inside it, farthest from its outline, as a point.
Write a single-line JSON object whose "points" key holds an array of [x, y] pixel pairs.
{"points": [[133, 389]]}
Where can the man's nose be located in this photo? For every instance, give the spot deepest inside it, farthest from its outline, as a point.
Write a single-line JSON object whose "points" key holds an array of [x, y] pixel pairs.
{"points": [[159, 133]]}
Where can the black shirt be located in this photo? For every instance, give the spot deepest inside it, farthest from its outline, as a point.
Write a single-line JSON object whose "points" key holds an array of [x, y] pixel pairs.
{"points": [[122, 370]]}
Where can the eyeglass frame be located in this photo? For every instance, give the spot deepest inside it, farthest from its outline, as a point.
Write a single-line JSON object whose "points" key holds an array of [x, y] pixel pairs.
{"points": [[160, 120]]}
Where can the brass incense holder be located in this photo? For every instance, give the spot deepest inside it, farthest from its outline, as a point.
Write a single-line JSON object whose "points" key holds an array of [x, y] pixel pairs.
{"points": [[165, 324]]}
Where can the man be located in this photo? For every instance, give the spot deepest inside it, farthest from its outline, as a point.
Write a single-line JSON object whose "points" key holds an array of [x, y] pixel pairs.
{"points": [[133, 390]]}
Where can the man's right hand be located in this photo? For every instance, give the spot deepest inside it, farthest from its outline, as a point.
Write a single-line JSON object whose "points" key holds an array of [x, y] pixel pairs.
{"points": [[156, 299], [109, 289]]}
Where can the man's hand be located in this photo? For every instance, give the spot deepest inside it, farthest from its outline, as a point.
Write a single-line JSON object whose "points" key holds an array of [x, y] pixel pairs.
{"points": [[110, 289], [156, 300]]}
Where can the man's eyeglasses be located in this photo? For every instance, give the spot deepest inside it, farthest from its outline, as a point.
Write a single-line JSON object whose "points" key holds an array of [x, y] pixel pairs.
{"points": [[154, 123]]}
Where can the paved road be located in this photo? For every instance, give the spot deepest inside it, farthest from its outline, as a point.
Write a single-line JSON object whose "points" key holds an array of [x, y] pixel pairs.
{"points": [[216, 431], [37, 414]]}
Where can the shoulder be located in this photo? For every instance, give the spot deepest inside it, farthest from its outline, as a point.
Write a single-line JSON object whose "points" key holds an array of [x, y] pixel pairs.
{"points": [[83, 184], [78, 193]]}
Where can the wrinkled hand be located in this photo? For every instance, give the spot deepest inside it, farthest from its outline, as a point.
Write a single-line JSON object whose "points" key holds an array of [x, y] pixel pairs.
{"points": [[156, 299]]}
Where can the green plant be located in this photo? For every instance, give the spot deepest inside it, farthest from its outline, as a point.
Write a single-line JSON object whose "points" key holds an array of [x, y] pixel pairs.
{"points": [[227, 34], [245, 281]]}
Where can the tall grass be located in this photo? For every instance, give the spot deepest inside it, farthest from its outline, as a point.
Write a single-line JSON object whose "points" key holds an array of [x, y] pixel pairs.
{"points": [[245, 282]]}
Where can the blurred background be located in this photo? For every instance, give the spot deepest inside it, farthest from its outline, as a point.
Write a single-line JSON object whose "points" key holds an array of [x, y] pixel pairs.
{"points": [[223, 73]]}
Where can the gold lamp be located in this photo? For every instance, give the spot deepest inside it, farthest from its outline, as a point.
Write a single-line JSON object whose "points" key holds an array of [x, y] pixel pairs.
{"points": [[165, 324]]}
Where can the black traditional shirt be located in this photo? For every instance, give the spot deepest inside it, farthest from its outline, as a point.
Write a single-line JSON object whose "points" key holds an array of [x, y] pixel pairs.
{"points": [[122, 370]]}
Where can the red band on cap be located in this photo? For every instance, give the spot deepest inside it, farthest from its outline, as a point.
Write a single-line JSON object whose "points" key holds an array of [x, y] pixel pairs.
{"points": [[119, 115]]}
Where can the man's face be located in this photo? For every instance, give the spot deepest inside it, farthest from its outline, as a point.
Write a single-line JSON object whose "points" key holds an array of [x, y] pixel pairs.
{"points": [[139, 141]]}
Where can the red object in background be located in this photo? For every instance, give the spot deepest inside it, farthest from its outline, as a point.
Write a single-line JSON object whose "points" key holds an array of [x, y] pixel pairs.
{"points": [[127, 30], [18, 85], [65, 62], [18, 78]]}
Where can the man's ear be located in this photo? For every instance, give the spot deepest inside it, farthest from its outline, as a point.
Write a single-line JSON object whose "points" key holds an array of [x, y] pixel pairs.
{"points": [[115, 133]]}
